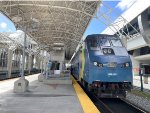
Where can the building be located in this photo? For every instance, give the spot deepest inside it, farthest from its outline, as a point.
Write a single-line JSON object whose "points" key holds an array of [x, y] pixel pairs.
{"points": [[139, 45]]}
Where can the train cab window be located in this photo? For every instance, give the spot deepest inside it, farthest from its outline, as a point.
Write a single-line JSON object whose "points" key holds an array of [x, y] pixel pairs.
{"points": [[116, 43], [94, 45], [104, 42]]}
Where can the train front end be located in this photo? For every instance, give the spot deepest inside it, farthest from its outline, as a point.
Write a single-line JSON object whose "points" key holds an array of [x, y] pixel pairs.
{"points": [[109, 72]]}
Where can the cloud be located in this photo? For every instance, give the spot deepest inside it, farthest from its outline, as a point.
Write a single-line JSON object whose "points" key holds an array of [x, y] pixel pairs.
{"points": [[124, 4], [3, 25], [9, 30]]}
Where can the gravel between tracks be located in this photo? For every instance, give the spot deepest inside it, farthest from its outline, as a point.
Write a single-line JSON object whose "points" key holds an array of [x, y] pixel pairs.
{"points": [[139, 101]]}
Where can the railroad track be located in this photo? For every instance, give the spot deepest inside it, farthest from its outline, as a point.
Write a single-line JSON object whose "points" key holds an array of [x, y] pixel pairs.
{"points": [[113, 105], [116, 105]]}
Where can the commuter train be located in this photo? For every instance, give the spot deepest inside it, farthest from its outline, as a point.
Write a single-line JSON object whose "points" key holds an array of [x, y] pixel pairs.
{"points": [[103, 66]]}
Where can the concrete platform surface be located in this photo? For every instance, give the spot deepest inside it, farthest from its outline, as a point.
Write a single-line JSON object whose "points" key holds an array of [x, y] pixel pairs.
{"points": [[40, 98], [137, 82], [60, 82]]}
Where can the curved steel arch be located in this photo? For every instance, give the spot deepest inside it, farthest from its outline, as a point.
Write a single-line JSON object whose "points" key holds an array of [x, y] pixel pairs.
{"points": [[58, 7], [57, 31], [76, 16]]}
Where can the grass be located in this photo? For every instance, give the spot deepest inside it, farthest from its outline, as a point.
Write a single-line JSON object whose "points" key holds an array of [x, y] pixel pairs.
{"points": [[140, 93]]}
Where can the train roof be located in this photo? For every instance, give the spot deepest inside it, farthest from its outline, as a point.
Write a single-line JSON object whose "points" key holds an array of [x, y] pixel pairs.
{"points": [[101, 36]]}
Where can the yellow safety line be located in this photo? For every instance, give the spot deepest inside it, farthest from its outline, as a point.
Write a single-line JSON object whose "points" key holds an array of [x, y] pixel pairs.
{"points": [[86, 103]]}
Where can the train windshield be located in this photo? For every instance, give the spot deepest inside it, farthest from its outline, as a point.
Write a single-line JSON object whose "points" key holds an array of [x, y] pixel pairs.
{"points": [[94, 45], [116, 43], [104, 42]]}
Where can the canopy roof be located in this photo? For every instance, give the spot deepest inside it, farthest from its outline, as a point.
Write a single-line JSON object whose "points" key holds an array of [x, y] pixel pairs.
{"points": [[50, 22], [13, 40]]}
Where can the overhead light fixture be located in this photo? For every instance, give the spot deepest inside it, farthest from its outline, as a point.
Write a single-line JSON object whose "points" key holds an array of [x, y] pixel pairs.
{"points": [[16, 19], [35, 20], [58, 44], [57, 48]]}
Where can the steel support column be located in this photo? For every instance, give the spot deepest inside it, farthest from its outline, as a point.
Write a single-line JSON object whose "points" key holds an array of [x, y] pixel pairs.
{"points": [[9, 62], [22, 84], [29, 63], [38, 62], [23, 57]]}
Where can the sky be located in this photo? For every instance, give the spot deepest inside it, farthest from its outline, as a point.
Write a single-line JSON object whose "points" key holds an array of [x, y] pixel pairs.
{"points": [[95, 26], [118, 6], [6, 25]]}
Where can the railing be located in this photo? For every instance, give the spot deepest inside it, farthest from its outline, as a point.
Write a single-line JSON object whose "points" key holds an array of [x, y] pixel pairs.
{"points": [[134, 36], [57, 74]]}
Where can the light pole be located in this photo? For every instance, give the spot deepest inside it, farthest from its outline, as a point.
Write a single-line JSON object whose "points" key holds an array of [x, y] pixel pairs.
{"points": [[22, 84], [23, 57], [141, 74]]}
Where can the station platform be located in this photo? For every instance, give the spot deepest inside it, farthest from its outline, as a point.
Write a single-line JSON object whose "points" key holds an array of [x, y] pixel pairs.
{"points": [[44, 98], [137, 82]]}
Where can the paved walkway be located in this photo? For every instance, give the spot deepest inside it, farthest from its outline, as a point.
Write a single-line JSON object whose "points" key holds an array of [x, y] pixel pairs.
{"points": [[137, 82], [7, 85], [40, 98]]}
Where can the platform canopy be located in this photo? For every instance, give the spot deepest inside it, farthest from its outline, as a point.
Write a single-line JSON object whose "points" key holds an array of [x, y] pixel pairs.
{"points": [[52, 22]]}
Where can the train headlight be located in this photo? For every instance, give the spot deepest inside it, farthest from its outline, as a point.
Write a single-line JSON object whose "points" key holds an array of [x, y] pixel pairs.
{"points": [[105, 51], [127, 64], [95, 63], [109, 51], [100, 65]]}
